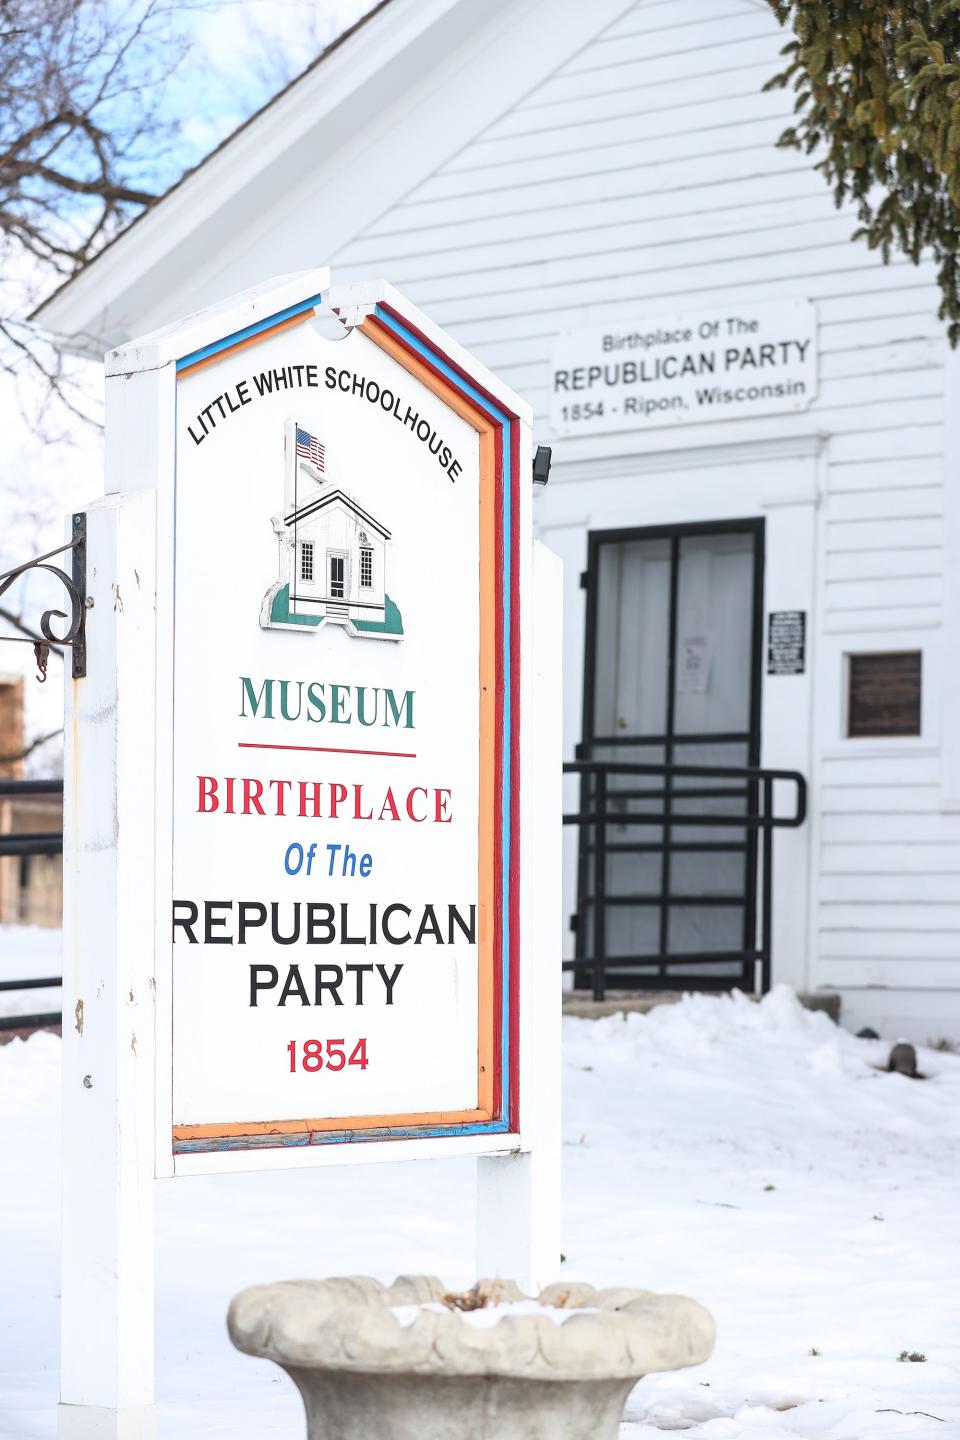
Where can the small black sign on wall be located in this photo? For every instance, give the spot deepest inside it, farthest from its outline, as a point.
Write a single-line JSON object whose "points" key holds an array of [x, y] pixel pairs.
{"points": [[787, 642]]}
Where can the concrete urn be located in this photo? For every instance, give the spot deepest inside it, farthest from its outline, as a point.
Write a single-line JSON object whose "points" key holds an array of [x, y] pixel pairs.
{"points": [[413, 1362]]}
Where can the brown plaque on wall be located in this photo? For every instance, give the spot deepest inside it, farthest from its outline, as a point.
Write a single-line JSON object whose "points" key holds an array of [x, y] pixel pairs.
{"points": [[884, 697]]}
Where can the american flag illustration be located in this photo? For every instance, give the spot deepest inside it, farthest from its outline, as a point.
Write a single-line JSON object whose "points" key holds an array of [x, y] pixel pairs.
{"points": [[309, 448]]}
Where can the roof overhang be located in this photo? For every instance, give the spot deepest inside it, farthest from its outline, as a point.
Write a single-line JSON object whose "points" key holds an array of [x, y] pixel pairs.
{"points": [[243, 320], [383, 109], [112, 296], [341, 499]]}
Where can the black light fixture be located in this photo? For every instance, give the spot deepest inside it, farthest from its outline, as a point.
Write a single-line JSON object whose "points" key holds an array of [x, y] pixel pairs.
{"points": [[541, 465]]}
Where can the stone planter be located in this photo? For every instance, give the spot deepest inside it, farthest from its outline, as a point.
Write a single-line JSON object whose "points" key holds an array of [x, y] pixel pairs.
{"points": [[410, 1362]]}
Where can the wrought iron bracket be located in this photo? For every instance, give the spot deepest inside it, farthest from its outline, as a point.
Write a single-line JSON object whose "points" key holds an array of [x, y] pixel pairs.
{"points": [[79, 641], [75, 584]]}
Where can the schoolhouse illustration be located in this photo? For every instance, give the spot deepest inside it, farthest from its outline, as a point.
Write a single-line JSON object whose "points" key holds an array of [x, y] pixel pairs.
{"points": [[332, 552]]}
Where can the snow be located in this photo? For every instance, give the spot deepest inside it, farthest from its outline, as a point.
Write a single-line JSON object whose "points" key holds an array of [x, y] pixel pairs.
{"points": [[489, 1315], [752, 1156], [30, 952]]}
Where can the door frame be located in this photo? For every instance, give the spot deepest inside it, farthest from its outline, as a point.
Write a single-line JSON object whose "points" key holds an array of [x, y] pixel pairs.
{"points": [[343, 557], [756, 527]]}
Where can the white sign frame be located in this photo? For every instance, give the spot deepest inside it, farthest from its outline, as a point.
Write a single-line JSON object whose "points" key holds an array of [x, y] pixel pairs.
{"points": [[117, 977]]}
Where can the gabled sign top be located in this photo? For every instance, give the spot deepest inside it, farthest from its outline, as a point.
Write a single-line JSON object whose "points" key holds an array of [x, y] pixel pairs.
{"points": [[225, 321], [246, 317]]}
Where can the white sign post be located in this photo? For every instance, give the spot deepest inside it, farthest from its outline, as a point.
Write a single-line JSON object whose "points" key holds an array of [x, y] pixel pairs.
{"points": [[312, 854]]}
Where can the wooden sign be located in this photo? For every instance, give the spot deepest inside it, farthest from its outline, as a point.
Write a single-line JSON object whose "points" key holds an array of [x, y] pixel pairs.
{"points": [[346, 796], [302, 926]]}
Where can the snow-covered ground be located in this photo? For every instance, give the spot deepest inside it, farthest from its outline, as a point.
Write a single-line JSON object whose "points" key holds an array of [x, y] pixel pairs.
{"points": [[752, 1156], [29, 952]]}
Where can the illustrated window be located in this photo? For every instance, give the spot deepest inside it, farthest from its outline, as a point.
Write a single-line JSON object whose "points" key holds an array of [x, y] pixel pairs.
{"points": [[306, 560], [884, 694], [366, 568]]}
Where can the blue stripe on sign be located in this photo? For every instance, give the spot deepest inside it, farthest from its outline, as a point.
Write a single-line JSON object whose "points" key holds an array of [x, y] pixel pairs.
{"points": [[303, 1140], [249, 330], [397, 326]]}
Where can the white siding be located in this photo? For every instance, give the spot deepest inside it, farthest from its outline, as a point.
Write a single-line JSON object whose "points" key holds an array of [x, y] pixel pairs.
{"points": [[643, 178]]}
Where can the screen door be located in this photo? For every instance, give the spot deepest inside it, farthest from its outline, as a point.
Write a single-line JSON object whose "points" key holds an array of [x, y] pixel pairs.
{"points": [[672, 678]]}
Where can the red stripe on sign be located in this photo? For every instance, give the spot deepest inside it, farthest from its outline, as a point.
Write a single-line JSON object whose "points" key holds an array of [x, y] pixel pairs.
{"points": [[515, 777], [479, 405], [325, 750], [498, 776], [469, 380]]}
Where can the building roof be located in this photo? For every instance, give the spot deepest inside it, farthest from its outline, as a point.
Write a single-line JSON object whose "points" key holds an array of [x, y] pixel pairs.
{"points": [[48, 305], [381, 110], [340, 497]]}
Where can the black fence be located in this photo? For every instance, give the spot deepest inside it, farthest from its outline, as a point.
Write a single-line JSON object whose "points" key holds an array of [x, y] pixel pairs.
{"points": [[35, 843], [742, 801]]}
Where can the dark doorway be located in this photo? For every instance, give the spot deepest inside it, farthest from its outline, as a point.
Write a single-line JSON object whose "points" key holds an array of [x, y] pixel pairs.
{"points": [[672, 678]]}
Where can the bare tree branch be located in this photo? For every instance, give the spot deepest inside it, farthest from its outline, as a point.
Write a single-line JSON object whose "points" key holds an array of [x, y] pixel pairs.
{"points": [[115, 194], [29, 749], [85, 144], [81, 83]]}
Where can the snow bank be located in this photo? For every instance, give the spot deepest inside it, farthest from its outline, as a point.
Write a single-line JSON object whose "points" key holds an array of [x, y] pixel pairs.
{"points": [[752, 1156]]}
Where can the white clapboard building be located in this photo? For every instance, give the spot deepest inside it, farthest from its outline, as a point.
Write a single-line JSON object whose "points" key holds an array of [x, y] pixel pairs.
{"points": [[755, 446]]}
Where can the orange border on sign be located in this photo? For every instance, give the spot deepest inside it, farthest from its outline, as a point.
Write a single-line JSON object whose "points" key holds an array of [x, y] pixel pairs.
{"points": [[260, 336], [487, 1008]]}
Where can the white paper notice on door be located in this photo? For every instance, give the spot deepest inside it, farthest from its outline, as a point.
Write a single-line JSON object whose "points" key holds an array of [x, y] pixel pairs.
{"points": [[695, 660]]}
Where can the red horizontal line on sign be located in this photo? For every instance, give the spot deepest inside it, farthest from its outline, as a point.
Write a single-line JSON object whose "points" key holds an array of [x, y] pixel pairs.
{"points": [[326, 750]]}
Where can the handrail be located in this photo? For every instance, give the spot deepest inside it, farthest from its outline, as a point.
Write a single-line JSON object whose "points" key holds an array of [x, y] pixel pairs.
{"points": [[714, 772], [30, 843], [596, 813]]}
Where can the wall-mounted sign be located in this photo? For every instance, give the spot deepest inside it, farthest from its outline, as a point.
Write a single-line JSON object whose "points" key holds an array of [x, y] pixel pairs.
{"points": [[884, 694], [787, 642], [706, 365]]}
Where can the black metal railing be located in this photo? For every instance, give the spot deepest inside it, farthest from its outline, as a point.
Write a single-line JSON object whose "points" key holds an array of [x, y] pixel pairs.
{"points": [[31, 843], [750, 792]]}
